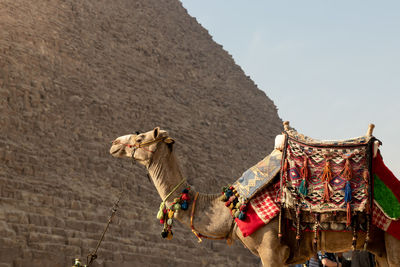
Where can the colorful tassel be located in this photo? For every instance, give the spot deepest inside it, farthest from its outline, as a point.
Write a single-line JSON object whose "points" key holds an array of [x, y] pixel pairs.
{"points": [[303, 187], [347, 170], [166, 215], [305, 174], [170, 235], [164, 234], [184, 205], [347, 192], [235, 203], [326, 177], [347, 173]]}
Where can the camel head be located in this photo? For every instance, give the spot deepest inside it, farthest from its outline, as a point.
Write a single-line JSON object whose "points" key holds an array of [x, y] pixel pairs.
{"points": [[141, 146]]}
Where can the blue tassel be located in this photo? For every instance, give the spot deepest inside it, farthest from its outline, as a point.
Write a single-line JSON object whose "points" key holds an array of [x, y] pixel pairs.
{"points": [[347, 192], [184, 205], [242, 216], [303, 188]]}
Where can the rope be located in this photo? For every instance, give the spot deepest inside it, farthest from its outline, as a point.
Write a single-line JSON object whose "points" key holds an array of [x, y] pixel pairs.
{"points": [[173, 190], [93, 255]]}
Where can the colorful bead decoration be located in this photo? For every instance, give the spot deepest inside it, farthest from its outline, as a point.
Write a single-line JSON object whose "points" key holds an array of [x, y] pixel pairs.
{"points": [[166, 215], [234, 202]]}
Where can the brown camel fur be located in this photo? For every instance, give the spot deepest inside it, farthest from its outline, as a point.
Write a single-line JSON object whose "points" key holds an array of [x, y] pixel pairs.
{"points": [[154, 150]]}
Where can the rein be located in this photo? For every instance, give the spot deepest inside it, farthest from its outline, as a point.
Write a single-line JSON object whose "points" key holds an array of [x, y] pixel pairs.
{"points": [[198, 234]]}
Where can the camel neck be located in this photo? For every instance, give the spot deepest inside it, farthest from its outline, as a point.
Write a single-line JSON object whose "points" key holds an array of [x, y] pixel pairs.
{"points": [[166, 174], [211, 217]]}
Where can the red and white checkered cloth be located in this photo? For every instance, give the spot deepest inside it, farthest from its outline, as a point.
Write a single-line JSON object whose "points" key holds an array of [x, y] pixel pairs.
{"points": [[264, 204], [379, 219], [261, 209]]}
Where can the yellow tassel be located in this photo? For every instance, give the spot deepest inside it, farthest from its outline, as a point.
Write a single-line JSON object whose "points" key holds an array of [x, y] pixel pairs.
{"points": [[170, 235], [170, 214]]}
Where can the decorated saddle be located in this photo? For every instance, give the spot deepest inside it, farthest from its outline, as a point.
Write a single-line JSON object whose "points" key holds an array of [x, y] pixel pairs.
{"points": [[317, 185], [325, 183]]}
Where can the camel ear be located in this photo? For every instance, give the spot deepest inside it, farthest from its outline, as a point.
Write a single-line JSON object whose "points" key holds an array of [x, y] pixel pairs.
{"points": [[169, 140], [156, 132]]}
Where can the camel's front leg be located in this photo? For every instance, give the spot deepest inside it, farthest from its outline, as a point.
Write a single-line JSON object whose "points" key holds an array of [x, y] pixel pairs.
{"points": [[265, 244]]}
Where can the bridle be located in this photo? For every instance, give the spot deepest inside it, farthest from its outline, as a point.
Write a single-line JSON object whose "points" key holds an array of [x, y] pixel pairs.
{"points": [[136, 145], [143, 145]]}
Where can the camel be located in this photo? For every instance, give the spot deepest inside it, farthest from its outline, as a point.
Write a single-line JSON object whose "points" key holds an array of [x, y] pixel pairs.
{"points": [[154, 150]]}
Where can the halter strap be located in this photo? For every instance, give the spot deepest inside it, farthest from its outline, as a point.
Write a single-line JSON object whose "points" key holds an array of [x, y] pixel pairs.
{"points": [[143, 145], [173, 190]]}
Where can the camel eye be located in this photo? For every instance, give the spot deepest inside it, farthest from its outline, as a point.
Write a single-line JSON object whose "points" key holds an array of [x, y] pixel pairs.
{"points": [[140, 138]]}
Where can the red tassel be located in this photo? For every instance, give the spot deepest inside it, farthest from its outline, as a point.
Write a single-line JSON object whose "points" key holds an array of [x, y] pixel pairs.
{"points": [[366, 176], [326, 192], [304, 170], [327, 177], [285, 168], [348, 221], [347, 171], [304, 174]]}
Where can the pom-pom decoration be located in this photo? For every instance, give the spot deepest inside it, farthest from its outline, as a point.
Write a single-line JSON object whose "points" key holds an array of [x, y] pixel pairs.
{"points": [[166, 215], [234, 202], [184, 205]]}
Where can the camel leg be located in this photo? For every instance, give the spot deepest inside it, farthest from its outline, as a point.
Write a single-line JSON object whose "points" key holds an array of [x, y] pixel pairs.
{"points": [[265, 244], [270, 250], [381, 262], [392, 250]]}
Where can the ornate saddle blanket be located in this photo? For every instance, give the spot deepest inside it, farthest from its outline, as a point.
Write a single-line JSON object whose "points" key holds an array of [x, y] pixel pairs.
{"points": [[258, 176], [324, 176], [251, 200]]}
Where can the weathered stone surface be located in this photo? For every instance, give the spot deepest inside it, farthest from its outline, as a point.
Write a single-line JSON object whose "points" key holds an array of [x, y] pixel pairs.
{"points": [[76, 74]]}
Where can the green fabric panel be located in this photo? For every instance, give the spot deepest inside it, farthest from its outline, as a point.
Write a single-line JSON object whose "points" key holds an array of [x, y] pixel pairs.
{"points": [[386, 199]]}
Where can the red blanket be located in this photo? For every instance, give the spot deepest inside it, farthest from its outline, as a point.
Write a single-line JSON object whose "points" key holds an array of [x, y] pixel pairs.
{"points": [[262, 209]]}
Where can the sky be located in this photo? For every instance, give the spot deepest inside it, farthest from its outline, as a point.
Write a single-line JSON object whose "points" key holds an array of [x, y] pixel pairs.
{"points": [[330, 66]]}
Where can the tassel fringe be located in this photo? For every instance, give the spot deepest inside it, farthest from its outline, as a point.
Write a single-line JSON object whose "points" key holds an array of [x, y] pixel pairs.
{"points": [[327, 177], [305, 174], [348, 175], [348, 217]]}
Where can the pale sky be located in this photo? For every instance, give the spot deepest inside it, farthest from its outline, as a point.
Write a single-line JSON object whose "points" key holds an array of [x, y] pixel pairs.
{"points": [[330, 66]]}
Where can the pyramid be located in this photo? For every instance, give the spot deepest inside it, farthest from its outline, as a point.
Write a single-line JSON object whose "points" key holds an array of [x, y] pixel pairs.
{"points": [[74, 75]]}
